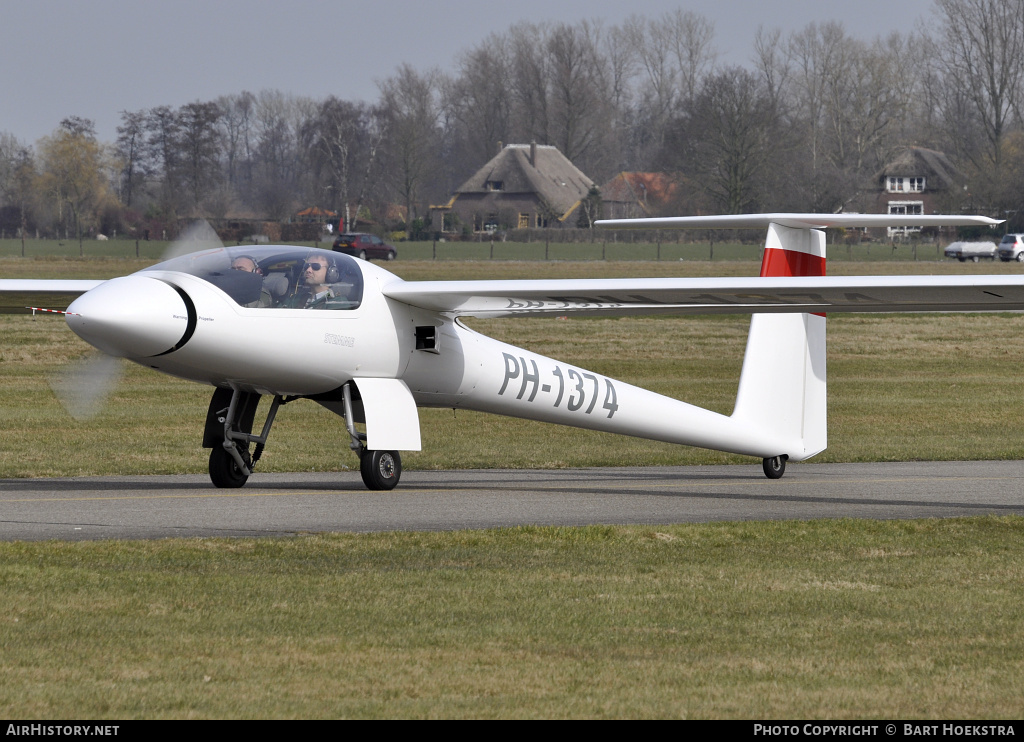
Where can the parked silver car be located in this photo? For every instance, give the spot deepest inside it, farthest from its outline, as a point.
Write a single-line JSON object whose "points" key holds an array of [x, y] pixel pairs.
{"points": [[1012, 248]]}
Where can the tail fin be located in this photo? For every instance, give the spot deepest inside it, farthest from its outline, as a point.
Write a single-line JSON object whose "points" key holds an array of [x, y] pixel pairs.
{"points": [[782, 385]]}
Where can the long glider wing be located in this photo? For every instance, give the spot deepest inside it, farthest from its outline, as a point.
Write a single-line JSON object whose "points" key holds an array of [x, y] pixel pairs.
{"points": [[790, 291], [714, 295], [18, 296]]}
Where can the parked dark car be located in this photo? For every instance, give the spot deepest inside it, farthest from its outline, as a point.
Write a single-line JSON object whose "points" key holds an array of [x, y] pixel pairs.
{"points": [[365, 246]]}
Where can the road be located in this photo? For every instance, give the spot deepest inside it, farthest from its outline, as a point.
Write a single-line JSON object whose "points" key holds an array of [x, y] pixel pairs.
{"points": [[286, 504]]}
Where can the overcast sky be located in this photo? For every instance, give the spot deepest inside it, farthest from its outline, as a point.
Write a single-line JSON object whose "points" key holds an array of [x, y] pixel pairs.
{"points": [[96, 58]]}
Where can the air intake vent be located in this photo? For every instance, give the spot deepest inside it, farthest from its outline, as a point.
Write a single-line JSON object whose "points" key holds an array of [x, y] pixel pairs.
{"points": [[426, 338]]}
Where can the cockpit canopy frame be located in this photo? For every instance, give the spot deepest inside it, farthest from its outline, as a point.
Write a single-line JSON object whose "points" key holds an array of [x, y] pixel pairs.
{"points": [[277, 282]]}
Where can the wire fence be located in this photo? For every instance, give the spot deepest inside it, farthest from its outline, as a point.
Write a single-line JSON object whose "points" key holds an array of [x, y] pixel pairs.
{"points": [[607, 249]]}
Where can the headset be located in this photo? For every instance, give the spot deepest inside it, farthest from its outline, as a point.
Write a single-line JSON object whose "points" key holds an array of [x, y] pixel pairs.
{"points": [[255, 263], [333, 275]]}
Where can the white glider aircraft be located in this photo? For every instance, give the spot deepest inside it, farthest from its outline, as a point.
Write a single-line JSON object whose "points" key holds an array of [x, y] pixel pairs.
{"points": [[293, 322]]}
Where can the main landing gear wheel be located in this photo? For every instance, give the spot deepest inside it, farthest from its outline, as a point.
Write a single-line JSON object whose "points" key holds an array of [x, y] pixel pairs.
{"points": [[224, 471], [774, 467], [381, 470]]}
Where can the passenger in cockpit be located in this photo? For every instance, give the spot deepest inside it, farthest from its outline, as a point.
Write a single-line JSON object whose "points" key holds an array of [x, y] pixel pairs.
{"points": [[248, 264], [245, 263]]}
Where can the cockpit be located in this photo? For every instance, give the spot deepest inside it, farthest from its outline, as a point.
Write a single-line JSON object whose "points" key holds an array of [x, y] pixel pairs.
{"points": [[278, 276]]}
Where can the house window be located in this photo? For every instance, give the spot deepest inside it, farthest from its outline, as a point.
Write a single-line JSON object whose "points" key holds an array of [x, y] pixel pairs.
{"points": [[524, 221], [495, 185], [896, 184], [542, 222], [901, 208]]}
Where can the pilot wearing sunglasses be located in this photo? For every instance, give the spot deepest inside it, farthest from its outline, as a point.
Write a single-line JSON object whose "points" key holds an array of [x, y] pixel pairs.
{"points": [[313, 291]]}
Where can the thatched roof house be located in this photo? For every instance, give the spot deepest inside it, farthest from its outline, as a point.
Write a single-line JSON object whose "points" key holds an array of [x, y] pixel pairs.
{"points": [[523, 186]]}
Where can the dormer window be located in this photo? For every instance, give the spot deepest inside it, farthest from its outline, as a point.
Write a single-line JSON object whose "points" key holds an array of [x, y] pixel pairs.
{"points": [[897, 184], [495, 185]]}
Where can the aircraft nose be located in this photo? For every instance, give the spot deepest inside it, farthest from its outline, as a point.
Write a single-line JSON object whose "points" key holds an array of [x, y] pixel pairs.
{"points": [[133, 317]]}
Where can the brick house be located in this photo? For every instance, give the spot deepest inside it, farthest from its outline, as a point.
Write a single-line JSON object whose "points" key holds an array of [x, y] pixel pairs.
{"points": [[918, 181], [638, 195], [524, 186]]}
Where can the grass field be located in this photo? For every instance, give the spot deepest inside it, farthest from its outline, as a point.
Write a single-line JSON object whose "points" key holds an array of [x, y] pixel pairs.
{"points": [[821, 619], [807, 620]]}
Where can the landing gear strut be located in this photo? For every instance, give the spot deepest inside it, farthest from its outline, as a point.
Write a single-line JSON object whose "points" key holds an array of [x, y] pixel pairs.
{"points": [[381, 470], [775, 467], [229, 433]]}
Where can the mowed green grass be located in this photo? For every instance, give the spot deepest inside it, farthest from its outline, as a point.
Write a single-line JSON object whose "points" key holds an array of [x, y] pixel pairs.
{"points": [[822, 619], [786, 620]]}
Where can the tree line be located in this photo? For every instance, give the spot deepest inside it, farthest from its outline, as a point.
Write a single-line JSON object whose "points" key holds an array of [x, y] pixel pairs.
{"points": [[803, 126]]}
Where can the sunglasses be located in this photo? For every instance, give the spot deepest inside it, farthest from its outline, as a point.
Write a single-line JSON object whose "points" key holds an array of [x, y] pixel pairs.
{"points": [[314, 266]]}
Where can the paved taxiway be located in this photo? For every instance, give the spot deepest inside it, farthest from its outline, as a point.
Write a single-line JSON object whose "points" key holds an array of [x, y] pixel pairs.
{"points": [[284, 504]]}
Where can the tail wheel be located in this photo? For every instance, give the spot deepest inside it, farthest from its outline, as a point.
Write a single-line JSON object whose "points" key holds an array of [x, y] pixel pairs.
{"points": [[224, 471], [774, 467], [381, 470]]}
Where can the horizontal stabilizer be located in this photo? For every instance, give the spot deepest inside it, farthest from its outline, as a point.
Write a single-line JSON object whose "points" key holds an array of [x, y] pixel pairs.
{"points": [[798, 221]]}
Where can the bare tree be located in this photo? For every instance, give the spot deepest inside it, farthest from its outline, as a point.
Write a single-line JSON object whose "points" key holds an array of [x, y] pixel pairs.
{"points": [[338, 141], [674, 53], [726, 138], [200, 142], [131, 148], [979, 53], [409, 112], [162, 151], [578, 98], [530, 83], [236, 124], [771, 61], [277, 160], [691, 39], [478, 101], [17, 172]]}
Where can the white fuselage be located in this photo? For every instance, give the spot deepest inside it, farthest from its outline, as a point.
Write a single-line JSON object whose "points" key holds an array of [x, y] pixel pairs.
{"points": [[146, 318]]}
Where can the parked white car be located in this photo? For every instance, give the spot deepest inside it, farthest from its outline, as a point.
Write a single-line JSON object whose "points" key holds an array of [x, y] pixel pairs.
{"points": [[973, 251], [1012, 248]]}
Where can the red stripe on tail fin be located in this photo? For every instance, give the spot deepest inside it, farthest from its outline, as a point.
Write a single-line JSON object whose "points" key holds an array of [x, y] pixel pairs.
{"points": [[779, 262], [793, 252]]}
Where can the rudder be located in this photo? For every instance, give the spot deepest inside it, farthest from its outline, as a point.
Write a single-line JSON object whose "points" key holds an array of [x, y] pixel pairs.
{"points": [[782, 388]]}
